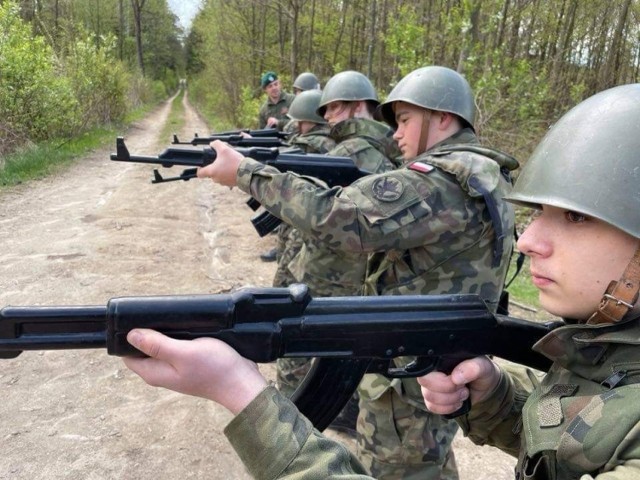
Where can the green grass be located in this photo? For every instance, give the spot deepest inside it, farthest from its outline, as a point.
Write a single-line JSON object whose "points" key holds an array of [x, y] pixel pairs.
{"points": [[521, 289], [175, 121], [38, 161]]}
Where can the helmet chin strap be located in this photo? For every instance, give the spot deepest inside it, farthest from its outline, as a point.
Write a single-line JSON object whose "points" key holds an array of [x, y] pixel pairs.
{"points": [[620, 296], [424, 132], [353, 106]]}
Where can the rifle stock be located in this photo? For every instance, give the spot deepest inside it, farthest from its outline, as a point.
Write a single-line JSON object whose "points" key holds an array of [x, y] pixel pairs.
{"points": [[349, 335]]}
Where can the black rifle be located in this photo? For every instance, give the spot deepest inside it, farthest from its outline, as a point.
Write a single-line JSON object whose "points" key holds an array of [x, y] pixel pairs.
{"points": [[348, 336], [263, 132], [235, 140], [334, 171]]}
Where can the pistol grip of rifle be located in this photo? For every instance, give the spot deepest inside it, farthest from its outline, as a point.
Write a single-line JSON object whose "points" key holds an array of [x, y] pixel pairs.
{"points": [[446, 365]]}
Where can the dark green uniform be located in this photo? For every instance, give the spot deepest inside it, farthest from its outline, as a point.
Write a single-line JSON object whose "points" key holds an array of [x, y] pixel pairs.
{"points": [[278, 110]]}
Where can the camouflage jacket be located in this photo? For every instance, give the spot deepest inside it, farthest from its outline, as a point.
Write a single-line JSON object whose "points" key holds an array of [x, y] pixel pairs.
{"points": [[278, 110], [274, 440], [333, 271], [439, 224], [316, 140], [582, 420], [290, 240], [430, 219]]}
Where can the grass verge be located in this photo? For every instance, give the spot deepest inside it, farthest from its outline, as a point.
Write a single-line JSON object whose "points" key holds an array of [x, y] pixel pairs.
{"points": [[38, 161], [175, 120]]}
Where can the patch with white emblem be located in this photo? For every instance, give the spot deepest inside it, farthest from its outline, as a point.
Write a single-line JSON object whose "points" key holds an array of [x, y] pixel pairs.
{"points": [[421, 167], [387, 189]]}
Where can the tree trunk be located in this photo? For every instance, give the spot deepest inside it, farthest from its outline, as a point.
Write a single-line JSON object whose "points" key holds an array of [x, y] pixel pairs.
{"points": [[137, 6]]}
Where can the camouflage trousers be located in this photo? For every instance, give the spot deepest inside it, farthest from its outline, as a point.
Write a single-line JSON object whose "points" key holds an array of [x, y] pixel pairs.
{"points": [[398, 440]]}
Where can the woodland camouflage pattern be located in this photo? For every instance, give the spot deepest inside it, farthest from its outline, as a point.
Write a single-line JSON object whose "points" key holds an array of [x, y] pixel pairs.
{"points": [[290, 371], [582, 420], [435, 235], [274, 441], [316, 140], [325, 270]]}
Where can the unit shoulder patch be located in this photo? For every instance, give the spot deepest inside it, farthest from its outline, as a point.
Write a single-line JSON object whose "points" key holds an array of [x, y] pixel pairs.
{"points": [[387, 189]]}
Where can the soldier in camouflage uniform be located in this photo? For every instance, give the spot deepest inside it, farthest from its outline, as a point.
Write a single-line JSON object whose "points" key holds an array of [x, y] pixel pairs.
{"points": [[348, 103], [582, 420], [313, 138], [438, 225], [304, 82], [273, 112]]}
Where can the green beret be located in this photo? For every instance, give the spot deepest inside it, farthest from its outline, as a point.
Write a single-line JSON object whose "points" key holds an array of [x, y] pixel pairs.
{"points": [[267, 78]]}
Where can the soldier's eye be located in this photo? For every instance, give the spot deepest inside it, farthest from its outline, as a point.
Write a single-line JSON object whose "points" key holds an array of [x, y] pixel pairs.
{"points": [[575, 217]]}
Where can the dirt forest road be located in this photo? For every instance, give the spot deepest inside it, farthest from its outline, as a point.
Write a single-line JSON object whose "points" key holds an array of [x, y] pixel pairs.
{"points": [[98, 230]]}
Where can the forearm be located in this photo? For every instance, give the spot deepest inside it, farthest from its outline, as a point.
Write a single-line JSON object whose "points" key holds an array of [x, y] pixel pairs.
{"points": [[275, 441], [317, 211], [346, 218]]}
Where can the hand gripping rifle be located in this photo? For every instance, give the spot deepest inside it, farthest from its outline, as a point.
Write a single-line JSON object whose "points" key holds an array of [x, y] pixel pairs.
{"points": [[348, 336], [334, 171]]}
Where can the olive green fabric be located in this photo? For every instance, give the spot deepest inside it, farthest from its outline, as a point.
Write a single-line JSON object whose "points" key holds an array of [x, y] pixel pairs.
{"points": [[291, 371], [431, 225], [582, 420], [329, 271], [278, 110], [274, 441]]}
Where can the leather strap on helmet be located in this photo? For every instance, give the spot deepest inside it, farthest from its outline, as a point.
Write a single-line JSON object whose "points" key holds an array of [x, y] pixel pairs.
{"points": [[424, 131], [620, 296]]}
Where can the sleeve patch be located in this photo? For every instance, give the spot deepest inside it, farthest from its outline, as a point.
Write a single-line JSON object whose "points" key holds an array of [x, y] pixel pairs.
{"points": [[387, 189]]}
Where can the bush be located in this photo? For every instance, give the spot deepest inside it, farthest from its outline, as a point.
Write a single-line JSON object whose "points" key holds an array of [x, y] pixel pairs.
{"points": [[36, 99], [100, 82]]}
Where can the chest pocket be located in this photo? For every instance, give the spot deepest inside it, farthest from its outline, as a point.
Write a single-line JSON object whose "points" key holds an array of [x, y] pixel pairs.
{"points": [[585, 436]]}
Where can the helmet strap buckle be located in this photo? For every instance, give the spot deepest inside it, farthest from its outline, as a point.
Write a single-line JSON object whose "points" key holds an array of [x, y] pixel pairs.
{"points": [[620, 296]]}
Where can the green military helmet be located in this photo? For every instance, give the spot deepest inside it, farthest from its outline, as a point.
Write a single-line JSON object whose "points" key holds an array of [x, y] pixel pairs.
{"points": [[434, 88], [348, 86], [304, 107], [306, 81], [589, 161]]}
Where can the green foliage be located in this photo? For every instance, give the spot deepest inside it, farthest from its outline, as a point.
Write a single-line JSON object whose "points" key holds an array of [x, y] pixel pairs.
{"points": [[100, 82], [521, 289], [403, 40], [248, 108], [36, 100]]}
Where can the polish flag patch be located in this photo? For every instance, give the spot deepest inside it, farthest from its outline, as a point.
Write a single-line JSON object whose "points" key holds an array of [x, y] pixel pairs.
{"points": [[421, 167]]}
